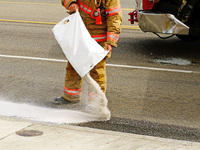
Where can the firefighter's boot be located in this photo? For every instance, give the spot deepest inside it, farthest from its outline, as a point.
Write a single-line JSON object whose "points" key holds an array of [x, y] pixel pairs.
{"points": [[61, 100]]}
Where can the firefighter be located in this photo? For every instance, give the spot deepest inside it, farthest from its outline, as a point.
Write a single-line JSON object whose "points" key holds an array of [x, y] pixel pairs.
{"points": [[102, 19]]}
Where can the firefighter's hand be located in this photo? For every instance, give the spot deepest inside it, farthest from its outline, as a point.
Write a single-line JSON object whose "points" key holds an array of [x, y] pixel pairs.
{"points": [[73, 7], [108, 47]]}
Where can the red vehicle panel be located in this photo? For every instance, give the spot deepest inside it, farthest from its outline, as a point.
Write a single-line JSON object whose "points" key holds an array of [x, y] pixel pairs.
{"points": [[147, 5]]}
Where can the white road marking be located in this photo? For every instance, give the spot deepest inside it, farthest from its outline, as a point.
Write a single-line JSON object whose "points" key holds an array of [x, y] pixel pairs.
{"points": [[151, 68], [33, 58], [110, 65]]}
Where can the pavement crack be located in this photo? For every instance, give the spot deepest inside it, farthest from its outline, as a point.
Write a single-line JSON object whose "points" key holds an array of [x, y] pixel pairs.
{"points": [[15, 132]]}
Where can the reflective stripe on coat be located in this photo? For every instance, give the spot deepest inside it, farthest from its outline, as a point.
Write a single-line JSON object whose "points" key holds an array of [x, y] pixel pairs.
{"points": [[111, 24]]}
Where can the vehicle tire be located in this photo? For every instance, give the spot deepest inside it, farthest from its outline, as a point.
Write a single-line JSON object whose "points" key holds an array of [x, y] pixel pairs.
{"points": [[188, 37], [167, 6]]}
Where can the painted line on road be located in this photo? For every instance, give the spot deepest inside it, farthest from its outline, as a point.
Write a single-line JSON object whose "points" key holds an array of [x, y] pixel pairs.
{"points": [[33, 58], [30, 3], [23, 21], [133, 27], [109, 65], [53, 23], [151, 68]]}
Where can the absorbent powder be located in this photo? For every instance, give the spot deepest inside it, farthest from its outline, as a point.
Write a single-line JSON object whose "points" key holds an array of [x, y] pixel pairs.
{"points": [[92, 110]]}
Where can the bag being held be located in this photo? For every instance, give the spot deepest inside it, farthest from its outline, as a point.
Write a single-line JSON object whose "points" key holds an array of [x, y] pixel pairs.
{"points": [[81, 50]]}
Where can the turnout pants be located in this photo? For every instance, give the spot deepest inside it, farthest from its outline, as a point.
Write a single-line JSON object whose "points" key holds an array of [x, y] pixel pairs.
{"points": [[73, 82]]}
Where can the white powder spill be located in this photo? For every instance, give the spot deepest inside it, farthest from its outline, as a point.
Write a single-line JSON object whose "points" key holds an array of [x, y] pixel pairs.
{"points": [[44, 114], [93, 110], [174, 61], [98, 105]]}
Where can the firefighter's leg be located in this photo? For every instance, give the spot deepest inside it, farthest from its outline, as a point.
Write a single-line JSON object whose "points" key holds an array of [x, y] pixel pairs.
{"points": [[98, 73], [73, 85], [72, 88]]}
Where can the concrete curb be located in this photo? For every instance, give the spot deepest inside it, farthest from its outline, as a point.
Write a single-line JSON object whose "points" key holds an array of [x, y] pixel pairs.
{"points": [[69, 137]]}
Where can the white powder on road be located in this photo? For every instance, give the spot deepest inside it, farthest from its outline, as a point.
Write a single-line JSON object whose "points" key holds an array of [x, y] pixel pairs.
{"points": [[95, 110], [174, 61], [42, 114]]}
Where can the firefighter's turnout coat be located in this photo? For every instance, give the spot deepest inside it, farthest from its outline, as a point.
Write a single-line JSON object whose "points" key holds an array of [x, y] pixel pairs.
{"points": [[107, 32]]}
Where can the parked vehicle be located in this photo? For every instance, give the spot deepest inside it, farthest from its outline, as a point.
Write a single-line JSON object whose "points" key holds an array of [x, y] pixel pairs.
{"points": [[175, 17]]}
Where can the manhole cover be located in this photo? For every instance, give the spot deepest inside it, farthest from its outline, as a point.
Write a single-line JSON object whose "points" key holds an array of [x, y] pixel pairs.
{"points": [[29, 133]]}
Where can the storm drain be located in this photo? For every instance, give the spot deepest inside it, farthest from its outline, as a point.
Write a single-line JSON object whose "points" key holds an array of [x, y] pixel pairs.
{"points": [[29, 133]]}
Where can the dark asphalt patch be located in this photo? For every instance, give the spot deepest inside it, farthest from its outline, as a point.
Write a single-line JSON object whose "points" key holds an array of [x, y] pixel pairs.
{"points": [[147, 128]]}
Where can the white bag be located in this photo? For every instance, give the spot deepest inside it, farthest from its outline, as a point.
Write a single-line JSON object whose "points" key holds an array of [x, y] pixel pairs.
{"points": [[81, 50]]}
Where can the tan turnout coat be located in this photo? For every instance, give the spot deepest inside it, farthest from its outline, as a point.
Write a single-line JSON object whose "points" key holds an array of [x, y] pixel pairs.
{"points": [[107, 32]]}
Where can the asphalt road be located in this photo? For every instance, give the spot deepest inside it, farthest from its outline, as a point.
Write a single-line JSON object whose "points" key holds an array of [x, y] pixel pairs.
{"points": [[145, 96]]}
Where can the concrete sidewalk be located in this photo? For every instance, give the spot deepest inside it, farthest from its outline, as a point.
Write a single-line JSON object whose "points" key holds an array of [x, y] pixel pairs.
{"points": [[68, 137]]}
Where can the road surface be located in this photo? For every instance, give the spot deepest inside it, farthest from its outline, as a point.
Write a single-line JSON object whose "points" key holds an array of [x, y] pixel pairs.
{"points": [[153, 84]]}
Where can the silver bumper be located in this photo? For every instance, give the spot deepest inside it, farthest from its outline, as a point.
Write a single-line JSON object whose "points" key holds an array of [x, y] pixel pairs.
{"points": [[161, 23]]}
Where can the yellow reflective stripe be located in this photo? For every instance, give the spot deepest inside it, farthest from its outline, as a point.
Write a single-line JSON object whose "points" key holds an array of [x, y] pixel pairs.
{"points": [[85, 9], [113, 37], [72, 91], [100, 37], [113, 11]]}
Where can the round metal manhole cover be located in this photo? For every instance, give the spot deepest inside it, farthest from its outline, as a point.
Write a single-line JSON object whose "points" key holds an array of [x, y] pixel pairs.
{"points": [[29, 133]]}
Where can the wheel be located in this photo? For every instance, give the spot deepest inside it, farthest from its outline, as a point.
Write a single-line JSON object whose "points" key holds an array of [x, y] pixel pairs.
{"points": [[167, 6], [188, 37]]}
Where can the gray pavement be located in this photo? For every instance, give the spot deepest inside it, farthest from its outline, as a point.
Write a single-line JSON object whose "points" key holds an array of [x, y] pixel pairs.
{"points": [[155, 99], [71, 137]]}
